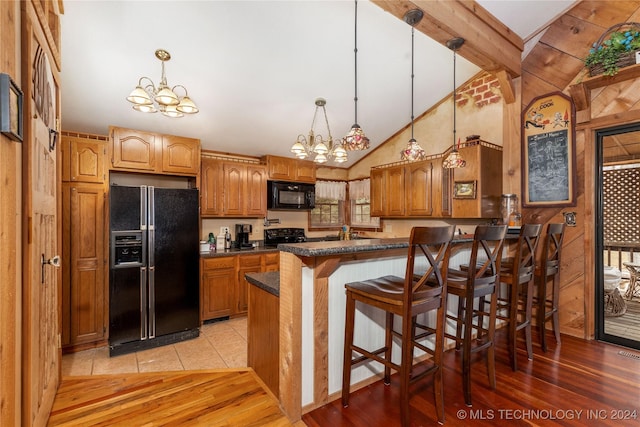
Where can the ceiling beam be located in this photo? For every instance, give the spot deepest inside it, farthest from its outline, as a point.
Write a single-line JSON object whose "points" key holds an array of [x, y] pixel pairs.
{"points": [[489, 43]]}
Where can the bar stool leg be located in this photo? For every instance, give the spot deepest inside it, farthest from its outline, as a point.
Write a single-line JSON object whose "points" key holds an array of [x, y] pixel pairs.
{"points": [[348, 354], [388, 342], [528, 311]]}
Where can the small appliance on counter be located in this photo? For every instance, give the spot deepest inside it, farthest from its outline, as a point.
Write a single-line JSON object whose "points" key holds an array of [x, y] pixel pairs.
{"points": [[274, 236], [242, 236]]}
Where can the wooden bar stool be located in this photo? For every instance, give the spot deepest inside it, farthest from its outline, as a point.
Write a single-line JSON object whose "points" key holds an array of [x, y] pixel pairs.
{"points": [[518, 276], [478, 281], [548, 269], [407, 297]]}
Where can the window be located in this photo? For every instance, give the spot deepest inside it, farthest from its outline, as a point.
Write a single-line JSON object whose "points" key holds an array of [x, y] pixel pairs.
{"points": [[359, 195], [361, 214], [328, 213]]}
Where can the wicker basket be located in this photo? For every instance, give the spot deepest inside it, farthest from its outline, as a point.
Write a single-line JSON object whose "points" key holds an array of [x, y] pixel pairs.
{"points": [[626, 58]]}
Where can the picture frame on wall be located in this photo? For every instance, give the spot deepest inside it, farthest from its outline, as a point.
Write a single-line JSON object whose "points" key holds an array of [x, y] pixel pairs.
{"points": [[548, 152], [464, 190], [11, 99]]}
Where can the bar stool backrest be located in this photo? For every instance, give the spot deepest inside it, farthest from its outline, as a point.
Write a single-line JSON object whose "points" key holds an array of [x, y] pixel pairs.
{"points": [[486, 255], [552, 248], [524, 261]]}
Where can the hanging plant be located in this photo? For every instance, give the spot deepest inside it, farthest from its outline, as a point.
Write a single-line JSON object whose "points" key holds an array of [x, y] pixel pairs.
{"points": [[615, 49]]}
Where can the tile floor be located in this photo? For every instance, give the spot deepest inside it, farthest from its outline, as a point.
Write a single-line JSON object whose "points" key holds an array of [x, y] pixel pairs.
{"points": [[220, 345]]}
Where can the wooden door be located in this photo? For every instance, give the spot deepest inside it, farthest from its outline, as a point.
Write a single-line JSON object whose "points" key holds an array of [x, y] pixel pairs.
{"points": [[211, 188], [378, 192], [218, 284], [41, 352], [84, 317], [305, 171], [256, 191], [419, 189], [180, 155], [234, 177], [133, 149], [83, 157], [395, 191]]}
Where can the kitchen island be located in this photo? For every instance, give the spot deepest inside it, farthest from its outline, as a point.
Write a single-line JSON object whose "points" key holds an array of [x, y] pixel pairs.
{"points": [[312, 311]]}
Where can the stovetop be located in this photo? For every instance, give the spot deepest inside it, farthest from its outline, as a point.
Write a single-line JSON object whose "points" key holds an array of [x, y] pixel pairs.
{"points": [[274, 236]]}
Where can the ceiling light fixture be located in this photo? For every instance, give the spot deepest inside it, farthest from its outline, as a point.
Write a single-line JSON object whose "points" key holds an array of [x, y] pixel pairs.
{"points": [[356, 139], [454, 159], [150, 99], [413, 151], [315, 144]]}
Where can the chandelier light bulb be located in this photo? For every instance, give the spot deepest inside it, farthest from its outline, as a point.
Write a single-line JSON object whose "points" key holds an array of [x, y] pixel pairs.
{"points": [[315, 144]]}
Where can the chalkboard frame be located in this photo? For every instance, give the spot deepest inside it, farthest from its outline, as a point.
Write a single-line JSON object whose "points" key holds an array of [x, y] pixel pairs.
{"points": [[548, 152]]}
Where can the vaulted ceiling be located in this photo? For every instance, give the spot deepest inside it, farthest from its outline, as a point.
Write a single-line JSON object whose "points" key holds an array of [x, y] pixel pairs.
{"points": [[255, 67]]}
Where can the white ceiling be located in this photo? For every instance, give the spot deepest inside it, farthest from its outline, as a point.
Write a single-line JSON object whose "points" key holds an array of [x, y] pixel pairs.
{"points": [[255, 67]]}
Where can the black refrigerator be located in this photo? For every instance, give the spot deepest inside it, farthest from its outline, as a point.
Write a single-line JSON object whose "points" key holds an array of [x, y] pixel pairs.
{"points": [[154, 267]]}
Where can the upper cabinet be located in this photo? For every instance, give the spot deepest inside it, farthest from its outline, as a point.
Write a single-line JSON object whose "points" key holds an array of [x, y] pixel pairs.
{"points": [[405, 189], [135, 150], [180, 155], [289, 169], [478, 186], [83, 157], [425, 189], [233, 189]]}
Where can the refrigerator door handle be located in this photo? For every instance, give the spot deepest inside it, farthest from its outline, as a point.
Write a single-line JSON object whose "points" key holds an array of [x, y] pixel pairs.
{"points": [[144, 322], [152, 303], [143, 207]]}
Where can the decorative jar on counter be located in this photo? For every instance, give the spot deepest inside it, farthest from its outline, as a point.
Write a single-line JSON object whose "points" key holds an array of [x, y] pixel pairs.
{"points": [[508, 205]]}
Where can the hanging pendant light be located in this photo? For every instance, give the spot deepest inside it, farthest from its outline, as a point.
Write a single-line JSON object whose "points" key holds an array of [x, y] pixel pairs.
{"points": [[355, 139], [454, 159], [413, 151]]}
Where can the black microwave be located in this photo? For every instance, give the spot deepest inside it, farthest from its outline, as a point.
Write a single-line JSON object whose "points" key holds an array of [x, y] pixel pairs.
{"points": [[283, 195]]}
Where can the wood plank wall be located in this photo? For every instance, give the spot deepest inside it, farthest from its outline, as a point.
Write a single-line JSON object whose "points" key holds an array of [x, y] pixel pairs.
{"points": [[553, 64]]}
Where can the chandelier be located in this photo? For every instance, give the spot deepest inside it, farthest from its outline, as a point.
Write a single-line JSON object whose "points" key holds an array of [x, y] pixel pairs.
{"points": [[150, 99], [356, 139], [315, 143], [413, 151], [454, 159]]}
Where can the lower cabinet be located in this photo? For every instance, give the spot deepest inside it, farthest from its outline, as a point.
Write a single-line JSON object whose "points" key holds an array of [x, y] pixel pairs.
{"points": [[223, 287]]}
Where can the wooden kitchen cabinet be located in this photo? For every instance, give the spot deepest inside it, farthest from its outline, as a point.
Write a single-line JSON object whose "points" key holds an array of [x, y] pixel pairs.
{"points": [[84, 260], [388, 191], [233, 189], [484, 170], [135, 150], [290, 169], [218, 283], [84, 255], [210, 187], [419, 189], [223, 287], [84, 157], [180, 155]]}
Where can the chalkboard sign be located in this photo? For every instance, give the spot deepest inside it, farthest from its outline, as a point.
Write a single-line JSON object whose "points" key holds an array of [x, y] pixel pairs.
{"points": [[548, 152]]}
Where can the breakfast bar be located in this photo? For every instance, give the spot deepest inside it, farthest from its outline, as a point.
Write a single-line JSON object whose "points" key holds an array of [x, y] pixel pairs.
{"points": [[312, 305]]}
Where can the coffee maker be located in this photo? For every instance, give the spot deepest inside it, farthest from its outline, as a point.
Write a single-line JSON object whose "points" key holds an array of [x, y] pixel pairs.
{"points": [[242, 235]]}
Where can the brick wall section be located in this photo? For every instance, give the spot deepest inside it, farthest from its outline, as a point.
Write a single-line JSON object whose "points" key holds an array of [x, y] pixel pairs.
{"points": [[481, 91]]}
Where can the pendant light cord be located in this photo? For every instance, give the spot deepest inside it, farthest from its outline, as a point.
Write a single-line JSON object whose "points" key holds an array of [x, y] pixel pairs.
{"points": [[355, 54], [412, 42], [454, 99]]}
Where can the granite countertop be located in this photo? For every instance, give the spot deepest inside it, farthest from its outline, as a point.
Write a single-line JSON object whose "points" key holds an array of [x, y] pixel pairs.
{"points": [[235, 251], [268, 281], [354, 246]]}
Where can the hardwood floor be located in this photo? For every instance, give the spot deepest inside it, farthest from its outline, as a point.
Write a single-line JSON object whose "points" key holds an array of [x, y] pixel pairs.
{"points": [[232, 397], [575, 384]]}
